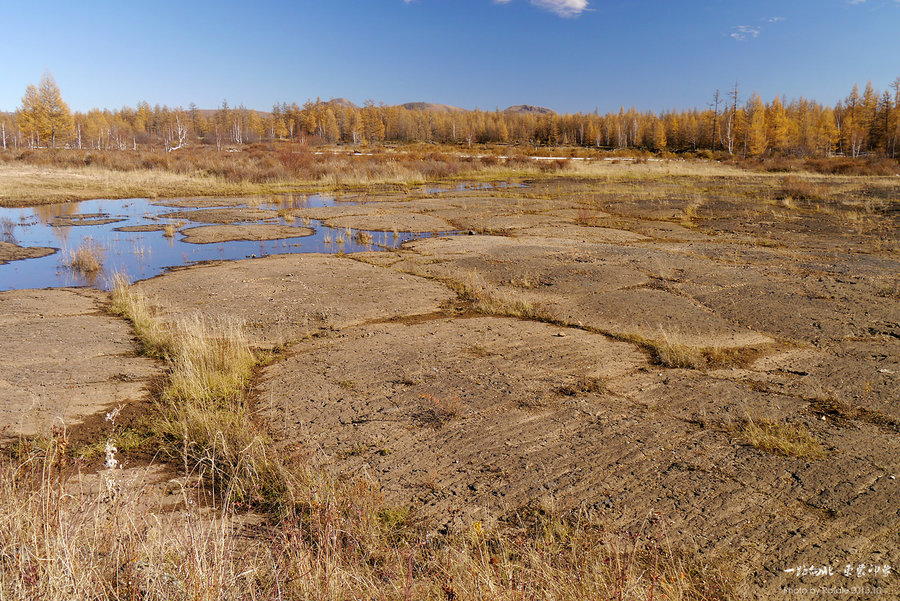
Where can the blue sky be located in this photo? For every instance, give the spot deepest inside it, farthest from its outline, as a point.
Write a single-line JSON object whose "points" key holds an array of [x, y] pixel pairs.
{"points": [[569, 55]]}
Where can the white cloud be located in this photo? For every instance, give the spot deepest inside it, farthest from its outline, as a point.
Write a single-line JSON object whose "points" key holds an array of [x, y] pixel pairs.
{"points": [[742, 32], [563, 8], [775, 19]]}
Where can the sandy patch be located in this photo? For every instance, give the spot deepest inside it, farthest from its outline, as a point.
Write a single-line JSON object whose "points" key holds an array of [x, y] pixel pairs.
{"points": [[149, 227], [84, 219]]}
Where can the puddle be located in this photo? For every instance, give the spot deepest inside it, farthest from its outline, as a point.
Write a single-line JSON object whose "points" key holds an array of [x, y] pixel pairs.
{"points": [[144, 254]]}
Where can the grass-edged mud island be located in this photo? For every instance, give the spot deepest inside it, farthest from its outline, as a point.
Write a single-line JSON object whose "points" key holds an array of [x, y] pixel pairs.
{"points": [[639, 380]]}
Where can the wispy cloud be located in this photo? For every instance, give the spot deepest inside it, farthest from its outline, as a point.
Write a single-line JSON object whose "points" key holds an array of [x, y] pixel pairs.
{"points": [[563, 8], [742, 32]]}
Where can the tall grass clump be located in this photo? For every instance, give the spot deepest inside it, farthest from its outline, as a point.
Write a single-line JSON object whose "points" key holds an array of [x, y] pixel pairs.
{"points": [[668, 353], [87, 259], [155, 338], [204, 420]]}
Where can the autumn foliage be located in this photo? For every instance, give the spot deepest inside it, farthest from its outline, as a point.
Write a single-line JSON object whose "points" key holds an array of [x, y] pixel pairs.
{"points": [[864, 123]]}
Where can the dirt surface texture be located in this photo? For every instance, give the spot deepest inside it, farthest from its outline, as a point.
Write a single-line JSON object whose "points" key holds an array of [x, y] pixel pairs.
{"points": [[286, 297], [222, 215], [14, 252], [210, 234], [63, 359], [718, 351]]}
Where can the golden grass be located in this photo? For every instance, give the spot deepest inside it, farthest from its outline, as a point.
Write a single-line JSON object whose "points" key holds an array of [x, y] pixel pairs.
{"points": [[61, 540], [28, 185], [363, 238], [204, 419], [491, 300], [156, 339], [171, 227], [667, 353], [39, 177], [781, 439], [87, 258]]}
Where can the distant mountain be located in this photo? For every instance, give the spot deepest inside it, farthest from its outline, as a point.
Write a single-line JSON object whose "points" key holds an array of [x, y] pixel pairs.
{"points": [[342, 102], [527, 109], [430, 106]]}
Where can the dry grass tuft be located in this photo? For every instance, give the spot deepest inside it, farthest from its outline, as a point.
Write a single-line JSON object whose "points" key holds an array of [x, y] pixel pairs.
{"points": [[582, 385], [87, 258], [363, 238], [156, 339], [667, 353], [171, 227], [204, 420], [796, 188], [491, 300], [781, 439]]}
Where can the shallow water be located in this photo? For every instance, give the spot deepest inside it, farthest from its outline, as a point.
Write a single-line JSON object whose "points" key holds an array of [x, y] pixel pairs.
{"points": [[141, 255]]}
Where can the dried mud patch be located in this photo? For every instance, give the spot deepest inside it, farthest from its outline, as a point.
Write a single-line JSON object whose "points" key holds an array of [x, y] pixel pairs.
{"points": [[602, 287], [476, 418], [147, 227], [232, 215], [441, 407], [84, 219], [285, 297], [14, 252], [62, 359], [209, 234], [404, 222]]}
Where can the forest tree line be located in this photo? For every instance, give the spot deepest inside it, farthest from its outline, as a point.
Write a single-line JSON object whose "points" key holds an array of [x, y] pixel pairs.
{"points": [[863, 123]]}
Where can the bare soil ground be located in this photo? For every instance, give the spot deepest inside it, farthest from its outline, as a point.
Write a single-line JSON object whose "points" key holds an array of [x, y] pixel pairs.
{"points": [[412, 367], [14, 252], [221, 215], [210, 234], [63, 359], [287, 297]]}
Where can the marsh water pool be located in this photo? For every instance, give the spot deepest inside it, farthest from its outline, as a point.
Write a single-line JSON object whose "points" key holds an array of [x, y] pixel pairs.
{"points": [[144, 254]]}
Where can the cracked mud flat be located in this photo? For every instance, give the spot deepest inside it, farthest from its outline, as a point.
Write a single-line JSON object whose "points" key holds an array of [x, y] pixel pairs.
{"points": [[463, 416]]}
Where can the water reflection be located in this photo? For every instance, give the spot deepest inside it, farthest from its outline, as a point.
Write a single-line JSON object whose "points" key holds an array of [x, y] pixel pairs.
{"points": [[143, 254]]}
